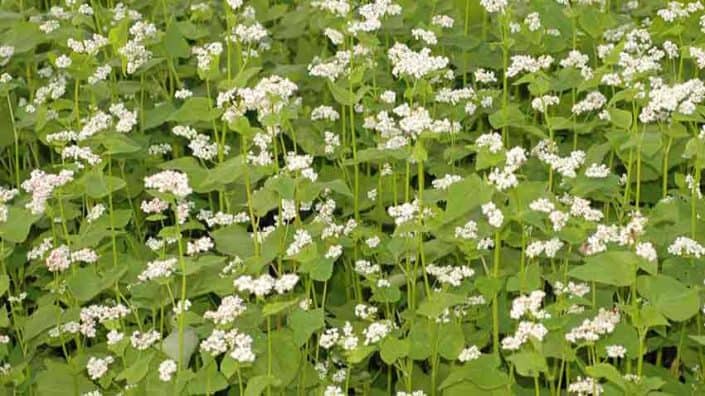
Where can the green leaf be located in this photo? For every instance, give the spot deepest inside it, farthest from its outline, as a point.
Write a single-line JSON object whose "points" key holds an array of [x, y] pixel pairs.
{"points": [[437, 303], [274, 308], [134, 373], [257, 385], [617, 268], [41, 320], [391, 349], [529, 363], [465, 196], [671, 298], [233, 240], [4, 284], [18, 224], [170, 345], [305, 323], [193, 110]]}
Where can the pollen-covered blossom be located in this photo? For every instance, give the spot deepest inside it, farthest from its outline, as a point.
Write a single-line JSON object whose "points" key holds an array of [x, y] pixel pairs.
{"points": [[142, 341], [591, 330], [684, 246], [167, 369], [97, 367], [469, 354], [452, 275], [229, 309], [407, 62], [41, 185], [169, 181], [585, 386], [494, 215]]}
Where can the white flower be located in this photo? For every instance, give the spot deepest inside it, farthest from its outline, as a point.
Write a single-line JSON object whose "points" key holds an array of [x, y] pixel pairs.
{"points": [[97, 367], [167, 369], [616, 351], [470, 353], [169, 181]]}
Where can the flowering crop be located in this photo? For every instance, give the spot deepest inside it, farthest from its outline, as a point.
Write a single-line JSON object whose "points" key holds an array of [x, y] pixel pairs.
{"points": [[337, 197]]}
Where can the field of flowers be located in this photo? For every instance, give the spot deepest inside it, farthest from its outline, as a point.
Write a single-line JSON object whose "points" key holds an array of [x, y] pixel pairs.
{"points": [[337, 197]]}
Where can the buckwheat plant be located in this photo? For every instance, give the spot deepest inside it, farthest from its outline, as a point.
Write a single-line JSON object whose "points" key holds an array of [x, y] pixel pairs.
{"points": [[342, 197]]}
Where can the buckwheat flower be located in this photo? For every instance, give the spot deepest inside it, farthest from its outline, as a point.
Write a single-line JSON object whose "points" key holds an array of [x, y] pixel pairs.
{"points": [[485, 76], [485, 244], [530, 304], [142, 341], [383, 283], [199, 245], [426, 36], [404, 213], [41, 185], [334, 36], [334, 252], [97, 367], [469, 354], [126, 119], [616, 351], [376, 331], [525, 330], [114, 337], [331, 69], [542, 103], [58, 259], [597, 171], [324, 113], [365, 268], [527, 63], [533, 21], [286, 283], [646, 251], [407, 62], [181, 307], [333, 390], [414, 393], [242, 349], [591, 330], [207, 55], [388, 97], [167, 369], [329, 338], [684, 246], [451, 275], [336, 7], [169, 181], [101, 73], [63, 62], [493, 214], [467, 231], [443, 21], [446, 181], [492, 141], [502, 179], [77, 153], [6, 52], [158, 269], [494, 6], [365, 312], [585, 386], [301, 239]]}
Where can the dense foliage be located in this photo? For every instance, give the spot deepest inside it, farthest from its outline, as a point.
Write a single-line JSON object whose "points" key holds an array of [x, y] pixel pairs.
{"points": [[326, 197]]}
